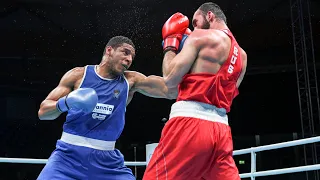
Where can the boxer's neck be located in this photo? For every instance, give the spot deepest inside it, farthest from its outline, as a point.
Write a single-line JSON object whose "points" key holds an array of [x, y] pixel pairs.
{"points": [[103, 69], [218, 25]]}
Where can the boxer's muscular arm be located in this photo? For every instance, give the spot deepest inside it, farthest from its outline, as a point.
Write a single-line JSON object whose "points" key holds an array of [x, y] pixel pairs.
{"points": [[152, 86], [48, 110], [244, 67], [174, 67]]}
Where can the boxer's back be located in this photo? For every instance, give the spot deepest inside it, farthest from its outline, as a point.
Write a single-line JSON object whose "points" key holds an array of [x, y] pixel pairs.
{"points": [[215, 73]]}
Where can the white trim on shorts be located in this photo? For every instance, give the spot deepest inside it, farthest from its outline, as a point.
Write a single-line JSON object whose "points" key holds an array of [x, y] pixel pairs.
{"points": [[198, 110], [87, 142]]}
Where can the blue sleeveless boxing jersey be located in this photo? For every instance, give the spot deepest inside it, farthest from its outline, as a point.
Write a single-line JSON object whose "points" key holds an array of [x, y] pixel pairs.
{"points": [[107, 120]]}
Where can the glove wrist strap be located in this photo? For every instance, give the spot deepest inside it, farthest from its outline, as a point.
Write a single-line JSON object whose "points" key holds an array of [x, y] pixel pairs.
{"points": [[172, 42], [62, 105], [169, 48]]}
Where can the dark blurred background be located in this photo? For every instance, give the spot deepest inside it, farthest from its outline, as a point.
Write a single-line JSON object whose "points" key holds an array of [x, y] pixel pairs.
{"points": [[278, 101]]}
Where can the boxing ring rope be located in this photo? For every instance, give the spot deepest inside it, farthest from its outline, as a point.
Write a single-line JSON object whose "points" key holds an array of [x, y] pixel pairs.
{"points": [[251, 151], [254, 150]]}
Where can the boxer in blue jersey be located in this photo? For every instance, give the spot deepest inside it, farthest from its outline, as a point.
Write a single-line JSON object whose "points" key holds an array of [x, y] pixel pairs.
{"points": [[95, 99]]}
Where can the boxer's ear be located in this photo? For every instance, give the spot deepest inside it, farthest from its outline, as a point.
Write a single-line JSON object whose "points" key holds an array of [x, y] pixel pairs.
{"points": [[108, 50], [210, 16]]}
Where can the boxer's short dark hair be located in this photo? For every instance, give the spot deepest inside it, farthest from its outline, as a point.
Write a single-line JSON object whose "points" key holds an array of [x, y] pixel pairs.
{"points": [[215, 9], [118, 41]]}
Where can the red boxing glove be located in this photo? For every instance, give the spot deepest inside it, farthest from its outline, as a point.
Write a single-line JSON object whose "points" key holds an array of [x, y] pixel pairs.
{"points": [[188, 31], [173, 30]]}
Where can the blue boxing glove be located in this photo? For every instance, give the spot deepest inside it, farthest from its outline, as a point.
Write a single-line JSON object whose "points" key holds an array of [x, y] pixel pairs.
{"points": [[184, 37], [84, 99]]}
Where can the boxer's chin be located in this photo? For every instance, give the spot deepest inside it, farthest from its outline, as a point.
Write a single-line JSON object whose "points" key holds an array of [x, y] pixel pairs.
{"points": [[120, 70]]}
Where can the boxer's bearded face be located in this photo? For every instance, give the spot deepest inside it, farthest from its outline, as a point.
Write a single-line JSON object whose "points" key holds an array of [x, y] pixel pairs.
{"points": [[205, 24], [121, 59], [200, 21]]}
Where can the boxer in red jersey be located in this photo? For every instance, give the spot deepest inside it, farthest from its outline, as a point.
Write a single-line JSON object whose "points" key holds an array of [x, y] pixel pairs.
{"points": [[196, 142]]}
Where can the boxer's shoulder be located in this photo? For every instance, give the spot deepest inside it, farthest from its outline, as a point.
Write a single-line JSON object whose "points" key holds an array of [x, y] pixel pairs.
{"points": [[129, 74], [78, 70], [205, 37], [77, 73], [74, 76], [132, 77]]}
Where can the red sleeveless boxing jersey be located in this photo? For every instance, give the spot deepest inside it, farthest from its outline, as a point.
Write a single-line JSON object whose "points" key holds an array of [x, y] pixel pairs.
{"points": [[216, 89]]}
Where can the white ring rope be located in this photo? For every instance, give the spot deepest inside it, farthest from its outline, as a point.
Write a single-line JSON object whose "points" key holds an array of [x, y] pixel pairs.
{"points": [[277, 145], [281, 171], [251, 151]]}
